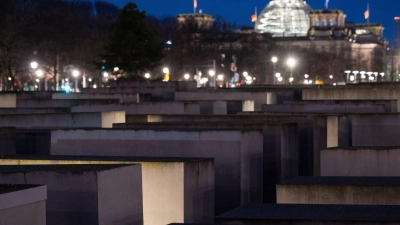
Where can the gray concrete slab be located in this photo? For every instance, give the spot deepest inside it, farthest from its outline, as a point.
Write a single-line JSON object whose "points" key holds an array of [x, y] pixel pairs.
{"points": [[360, 161], [340, 190], [8, 138], [187, 184], [23, 204], [312, 128], [85, 194], [60, 103], [280, 147], [100, 119], [141, 108], [238, 154], [268, 214]]}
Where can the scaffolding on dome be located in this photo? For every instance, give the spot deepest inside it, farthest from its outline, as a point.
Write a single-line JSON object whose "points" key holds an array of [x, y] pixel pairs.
{"points": [[284, 18]]}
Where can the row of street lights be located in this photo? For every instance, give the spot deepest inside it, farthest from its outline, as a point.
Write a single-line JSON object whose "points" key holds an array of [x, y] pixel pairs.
{"points": [[277, 76], [372, 76]]}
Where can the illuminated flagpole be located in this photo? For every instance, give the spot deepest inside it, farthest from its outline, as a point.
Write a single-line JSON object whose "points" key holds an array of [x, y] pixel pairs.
{"points": [[327, 4], [194, 6]]}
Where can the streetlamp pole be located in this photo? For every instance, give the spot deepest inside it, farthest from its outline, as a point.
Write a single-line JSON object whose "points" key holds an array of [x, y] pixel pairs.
{"points": [[75, 73], [274, 60], [39, 74], [291, 62]]}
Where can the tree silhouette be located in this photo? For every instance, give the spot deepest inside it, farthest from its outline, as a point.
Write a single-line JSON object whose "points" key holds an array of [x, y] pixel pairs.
{"points": [[133, 47]]}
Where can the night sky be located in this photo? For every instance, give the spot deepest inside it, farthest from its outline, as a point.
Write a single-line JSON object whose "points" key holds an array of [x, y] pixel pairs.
{"points": [[240, 11]]}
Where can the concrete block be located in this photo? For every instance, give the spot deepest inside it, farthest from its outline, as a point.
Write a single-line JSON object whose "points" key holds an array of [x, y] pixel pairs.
{"points": [[301, 214], [60, 103], [8, 100], [100, 119], [238, 154], [375, 130], [33, 142], [259, 97], [340, 190], [360, 161], [280, 147], [174, 189], [23, 204], [142, 108], [8, 141], [312, 131], [85, 194], [123, 98]]}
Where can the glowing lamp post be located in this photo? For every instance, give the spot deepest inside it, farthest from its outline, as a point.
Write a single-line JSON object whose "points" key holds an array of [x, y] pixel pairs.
{"points": [[274, 60], [34, 65], [291, 62], [212, 75], [186, 76], [39, 74], [166, 74], [76, 73], [348, 73], [147, 75]]}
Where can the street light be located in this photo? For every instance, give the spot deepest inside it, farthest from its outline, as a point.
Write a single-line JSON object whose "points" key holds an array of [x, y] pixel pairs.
{"points": [[274, 61], [76, 73], [291, 62], [347, 72], [39, 74], [245, 74], [166, 75], [186, 76], [147, 75], [363, 74], [34, 65], [212, 73], [355, 75]]}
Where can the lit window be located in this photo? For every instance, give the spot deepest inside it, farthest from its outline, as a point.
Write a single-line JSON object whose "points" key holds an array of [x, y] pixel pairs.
{"points": [[317, 23], [324, 23], [331, 22]]}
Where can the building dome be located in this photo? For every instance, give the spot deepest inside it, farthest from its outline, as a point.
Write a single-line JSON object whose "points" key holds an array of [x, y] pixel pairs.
{"points": [[284, 18]]}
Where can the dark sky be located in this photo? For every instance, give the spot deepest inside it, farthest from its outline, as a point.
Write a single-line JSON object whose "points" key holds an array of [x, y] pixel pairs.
{"points": [[240, 11]]}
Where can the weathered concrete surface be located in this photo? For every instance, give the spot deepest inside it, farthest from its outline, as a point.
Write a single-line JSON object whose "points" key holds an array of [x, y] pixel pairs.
{"points": [[340, 190], [23, 204], [12, 111], [101, 119], [259, 98], [312, 130], [8, 138], [280, 147], [360, 161], [61, 103], [174, 189], [8, 100], [123, 98], [375, 130], [321, 108], [389, 106], [155, 93], [353, 94], [142, 108], [238, 154], [301, 214], [85, 194], [33, 142]]}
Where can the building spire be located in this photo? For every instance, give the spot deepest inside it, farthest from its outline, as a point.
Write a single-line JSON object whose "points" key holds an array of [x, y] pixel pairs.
{"points": [[327, 4]]}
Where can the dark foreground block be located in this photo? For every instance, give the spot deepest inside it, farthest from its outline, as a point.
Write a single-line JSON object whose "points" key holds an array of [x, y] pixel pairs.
{"points": [[268, 214]]}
